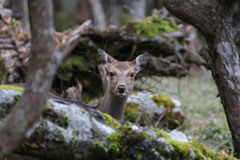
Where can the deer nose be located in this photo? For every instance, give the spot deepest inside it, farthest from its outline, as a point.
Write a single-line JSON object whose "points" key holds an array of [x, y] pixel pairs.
{"points": [[121, 88]]}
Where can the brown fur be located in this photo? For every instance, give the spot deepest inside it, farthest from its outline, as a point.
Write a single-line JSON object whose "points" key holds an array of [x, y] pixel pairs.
{"points": [[114, 100]]}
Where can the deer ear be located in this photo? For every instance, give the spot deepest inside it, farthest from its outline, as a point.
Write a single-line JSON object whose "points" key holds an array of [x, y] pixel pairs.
{"points": [[141, 61], [105, 58]]}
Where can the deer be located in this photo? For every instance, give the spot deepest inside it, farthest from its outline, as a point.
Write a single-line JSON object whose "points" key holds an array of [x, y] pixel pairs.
{"points": [[118, 79], [118, 82]]}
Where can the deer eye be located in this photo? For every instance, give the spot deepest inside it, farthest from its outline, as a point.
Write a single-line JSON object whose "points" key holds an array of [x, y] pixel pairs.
{"points": [[111, 74], [132, 75]]}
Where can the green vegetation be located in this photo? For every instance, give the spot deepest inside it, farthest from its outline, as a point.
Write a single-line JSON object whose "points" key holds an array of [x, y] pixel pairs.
{"points": [[120, 143], [67, 121], [111, 121], [73, 63], [163, 100], [205, 119], [161, 133], [151, 27], [63, 21], [16, 88], [129, 143], [131, 112], [170, 119]]}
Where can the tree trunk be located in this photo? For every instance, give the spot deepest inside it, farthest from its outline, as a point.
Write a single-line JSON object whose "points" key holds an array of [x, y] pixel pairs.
{"points": [[98, 14], [20, 7], [41, 70], [137, 9], [215, 23]]}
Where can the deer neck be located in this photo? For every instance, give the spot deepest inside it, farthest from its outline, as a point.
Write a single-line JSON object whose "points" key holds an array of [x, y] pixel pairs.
{"points": [[113, 105]]}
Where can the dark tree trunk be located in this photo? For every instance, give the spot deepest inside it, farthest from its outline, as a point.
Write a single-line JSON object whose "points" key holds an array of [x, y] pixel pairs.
{"points": [[215, 23], [41, 70]]}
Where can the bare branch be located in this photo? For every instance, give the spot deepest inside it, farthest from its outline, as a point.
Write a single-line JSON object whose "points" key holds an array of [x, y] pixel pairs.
{"points": [[74, 38]]}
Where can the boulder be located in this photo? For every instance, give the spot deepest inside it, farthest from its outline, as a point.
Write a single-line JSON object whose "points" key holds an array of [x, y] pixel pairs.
{"points": [[66, 131]]}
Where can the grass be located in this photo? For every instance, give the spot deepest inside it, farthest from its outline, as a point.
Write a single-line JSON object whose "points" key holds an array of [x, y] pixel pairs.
{"points": [[205, 118]]}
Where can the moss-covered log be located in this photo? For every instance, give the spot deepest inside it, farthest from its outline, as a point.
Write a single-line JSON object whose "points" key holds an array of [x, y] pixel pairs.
{"points": [[69, 132]]}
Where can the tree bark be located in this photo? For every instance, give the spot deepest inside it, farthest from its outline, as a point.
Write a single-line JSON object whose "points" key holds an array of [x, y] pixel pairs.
{"points": [[41, 70], [215, 23], [20, 7], [98, 14]]}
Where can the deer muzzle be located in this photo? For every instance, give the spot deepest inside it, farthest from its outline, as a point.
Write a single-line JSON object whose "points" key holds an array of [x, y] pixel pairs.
{"points": [[121, 90]]}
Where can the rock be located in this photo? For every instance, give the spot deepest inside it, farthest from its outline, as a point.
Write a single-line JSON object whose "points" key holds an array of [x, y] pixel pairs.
{"points": [[66, 131], [146, 108]]}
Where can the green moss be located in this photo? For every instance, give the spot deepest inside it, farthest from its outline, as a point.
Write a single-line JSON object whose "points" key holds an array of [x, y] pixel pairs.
{"points": [[163, 100], [131, 144], [16, 98], [171, 119], [49, 106], [151, 27], [59, 117], [120, 144], [131, 112], [72, 64], [134, 114], [10, 87], [139, 156], [67, 121], [59, 136], [73, 140], [125, 138], [83, 110], [111, 121], [201, 151], [161, 133], [62, 120]]}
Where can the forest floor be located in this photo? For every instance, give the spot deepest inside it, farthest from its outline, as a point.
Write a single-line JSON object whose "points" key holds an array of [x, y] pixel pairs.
{"points": [[205, 118]]}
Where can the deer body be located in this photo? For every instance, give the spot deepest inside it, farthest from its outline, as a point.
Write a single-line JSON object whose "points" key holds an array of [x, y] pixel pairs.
{"points": [[119, 80]]}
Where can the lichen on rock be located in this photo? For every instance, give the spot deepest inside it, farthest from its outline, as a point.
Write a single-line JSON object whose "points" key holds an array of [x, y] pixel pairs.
{"points": [[9, 95], [146, 108]]}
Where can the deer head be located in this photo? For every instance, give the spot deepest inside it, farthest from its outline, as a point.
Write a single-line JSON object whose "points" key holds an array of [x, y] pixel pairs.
{"points": [[120, 79]]}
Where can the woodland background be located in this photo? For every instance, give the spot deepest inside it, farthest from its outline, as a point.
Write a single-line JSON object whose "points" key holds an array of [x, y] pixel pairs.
{"points": [[176, 68]]}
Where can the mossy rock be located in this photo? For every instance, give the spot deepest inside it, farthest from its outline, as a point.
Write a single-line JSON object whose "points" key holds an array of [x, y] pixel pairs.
{"points": [[155, 110], [151, 27], [111, 121], [10, 100], [125, 141], [10, 87], [173, 116], [131, 142], [121, 144]]}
